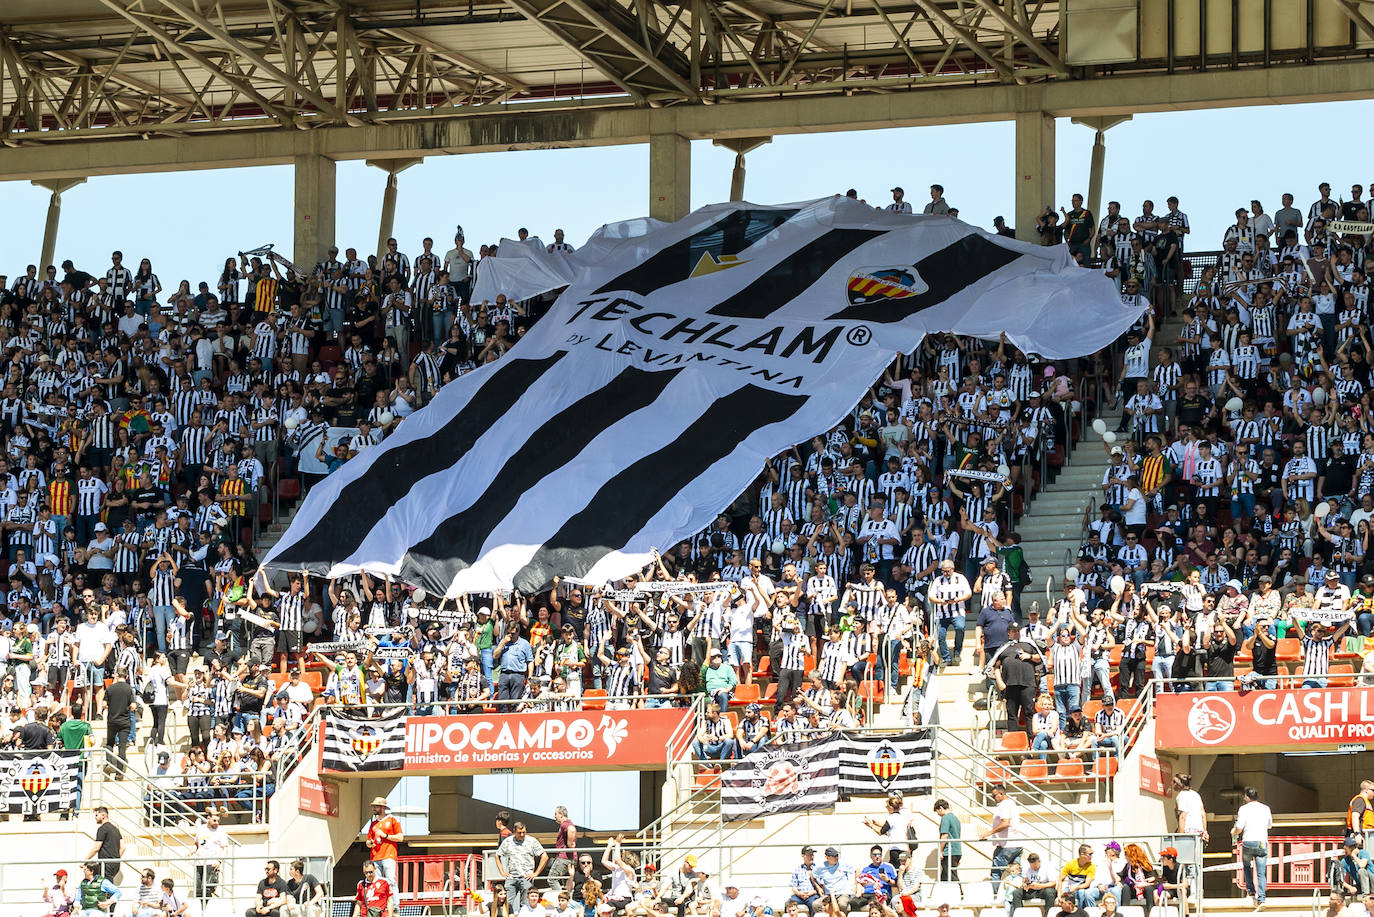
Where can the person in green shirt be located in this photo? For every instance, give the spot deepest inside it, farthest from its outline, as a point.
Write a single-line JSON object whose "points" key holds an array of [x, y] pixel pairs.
{"points": [[485, 636], [951, 848], [75, 734], [720, 679], [1079, 227]]}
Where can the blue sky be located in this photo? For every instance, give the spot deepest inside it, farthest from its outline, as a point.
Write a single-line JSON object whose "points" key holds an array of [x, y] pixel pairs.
{"points": [[188, 222]]}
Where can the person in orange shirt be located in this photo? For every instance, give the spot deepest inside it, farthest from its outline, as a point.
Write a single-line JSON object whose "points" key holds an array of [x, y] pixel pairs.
{"points": [[383, 834]]}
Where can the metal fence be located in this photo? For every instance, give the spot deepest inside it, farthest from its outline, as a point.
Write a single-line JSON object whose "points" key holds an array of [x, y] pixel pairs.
{"points": [[765, 869], [222, 886]]}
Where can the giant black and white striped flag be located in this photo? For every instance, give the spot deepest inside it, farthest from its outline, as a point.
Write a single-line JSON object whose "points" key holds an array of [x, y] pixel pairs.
{"points": [[674, 365]]}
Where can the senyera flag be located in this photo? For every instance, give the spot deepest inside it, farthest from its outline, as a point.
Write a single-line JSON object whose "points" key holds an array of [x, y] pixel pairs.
{"points": [[677, 361]]}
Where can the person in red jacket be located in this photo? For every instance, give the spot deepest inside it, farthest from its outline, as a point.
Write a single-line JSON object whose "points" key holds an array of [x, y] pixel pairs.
{"points": [[375, 897]]}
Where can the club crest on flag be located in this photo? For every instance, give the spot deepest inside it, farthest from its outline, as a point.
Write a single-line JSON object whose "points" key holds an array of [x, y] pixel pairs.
{"points": [[365, 741], [783, 779], [885, 763], [877, 284], [35, 780], [710, 264]]}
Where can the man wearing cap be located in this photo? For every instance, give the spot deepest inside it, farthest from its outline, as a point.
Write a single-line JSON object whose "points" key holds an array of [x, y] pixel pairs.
{"points": [[383, 834], [1014, 671], [1108, 725], [1349, 874], [837, 879], [806, 888], [1173, 883], [515, 656], [719, 679], [753, 731], [898, 205]]}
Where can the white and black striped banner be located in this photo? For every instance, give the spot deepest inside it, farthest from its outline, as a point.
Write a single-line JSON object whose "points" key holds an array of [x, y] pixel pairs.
{"points": [[35, 782], [878, 765], [661, 381], [783, 778], [364, 743]]}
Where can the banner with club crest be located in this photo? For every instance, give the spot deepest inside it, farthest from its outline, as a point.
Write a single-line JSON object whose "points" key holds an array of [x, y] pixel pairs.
{"points": [[37, 782], [877, 765], [791, 777], [817, 773], [358, 743]]}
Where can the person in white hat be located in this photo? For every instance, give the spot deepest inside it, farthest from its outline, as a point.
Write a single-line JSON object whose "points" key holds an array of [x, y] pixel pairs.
{"points": [[383, 834]]}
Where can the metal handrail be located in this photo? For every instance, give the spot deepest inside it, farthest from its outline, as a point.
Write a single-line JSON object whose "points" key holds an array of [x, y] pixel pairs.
{"points": [[25, 881], [134, 792]]}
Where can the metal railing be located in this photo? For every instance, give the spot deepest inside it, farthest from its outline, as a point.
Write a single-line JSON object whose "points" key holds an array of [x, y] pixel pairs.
{"points": [[766, 866], [153, 803], [227, 885], [443, 883]]}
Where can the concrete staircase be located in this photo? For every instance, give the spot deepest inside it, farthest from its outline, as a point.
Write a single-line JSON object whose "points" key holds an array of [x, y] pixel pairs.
{"points": [[1052, 530], [273, 532]]}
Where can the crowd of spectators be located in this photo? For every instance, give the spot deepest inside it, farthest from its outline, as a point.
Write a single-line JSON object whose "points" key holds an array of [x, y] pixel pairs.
{"points": [[576, 876], [141, 426]]}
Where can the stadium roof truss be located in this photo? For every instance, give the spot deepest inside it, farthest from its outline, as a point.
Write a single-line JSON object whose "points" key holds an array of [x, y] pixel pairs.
{"points": [[73, 69]]}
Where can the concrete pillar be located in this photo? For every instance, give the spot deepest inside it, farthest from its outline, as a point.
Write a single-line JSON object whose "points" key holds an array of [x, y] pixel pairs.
{"points": [[670, 176], [314, 217], [1034, 171], [392, 168], [447, 797], [1099, 159], [741, 146], [56, 186]]}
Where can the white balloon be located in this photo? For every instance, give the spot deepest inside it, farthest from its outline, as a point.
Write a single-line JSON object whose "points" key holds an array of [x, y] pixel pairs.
{"points": [[384, 418], [1099, 425], [1109, 437], [1117, 584], [1235, 404], [1070, 574], [1322, 510], [292, 423], [1003, 470], [778, 546], [419, 595], [1319, 396]]}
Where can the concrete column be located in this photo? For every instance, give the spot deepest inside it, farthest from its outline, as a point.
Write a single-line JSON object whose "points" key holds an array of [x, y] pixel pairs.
{"points": [[56, 186], [449, 796], [392, 168], [741, 146], [1099, 159], [1034, 171], [314, 217], [670, 176]]}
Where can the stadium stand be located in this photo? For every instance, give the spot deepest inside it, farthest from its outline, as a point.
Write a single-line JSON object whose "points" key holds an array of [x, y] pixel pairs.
{"points": [[156, 441]]}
